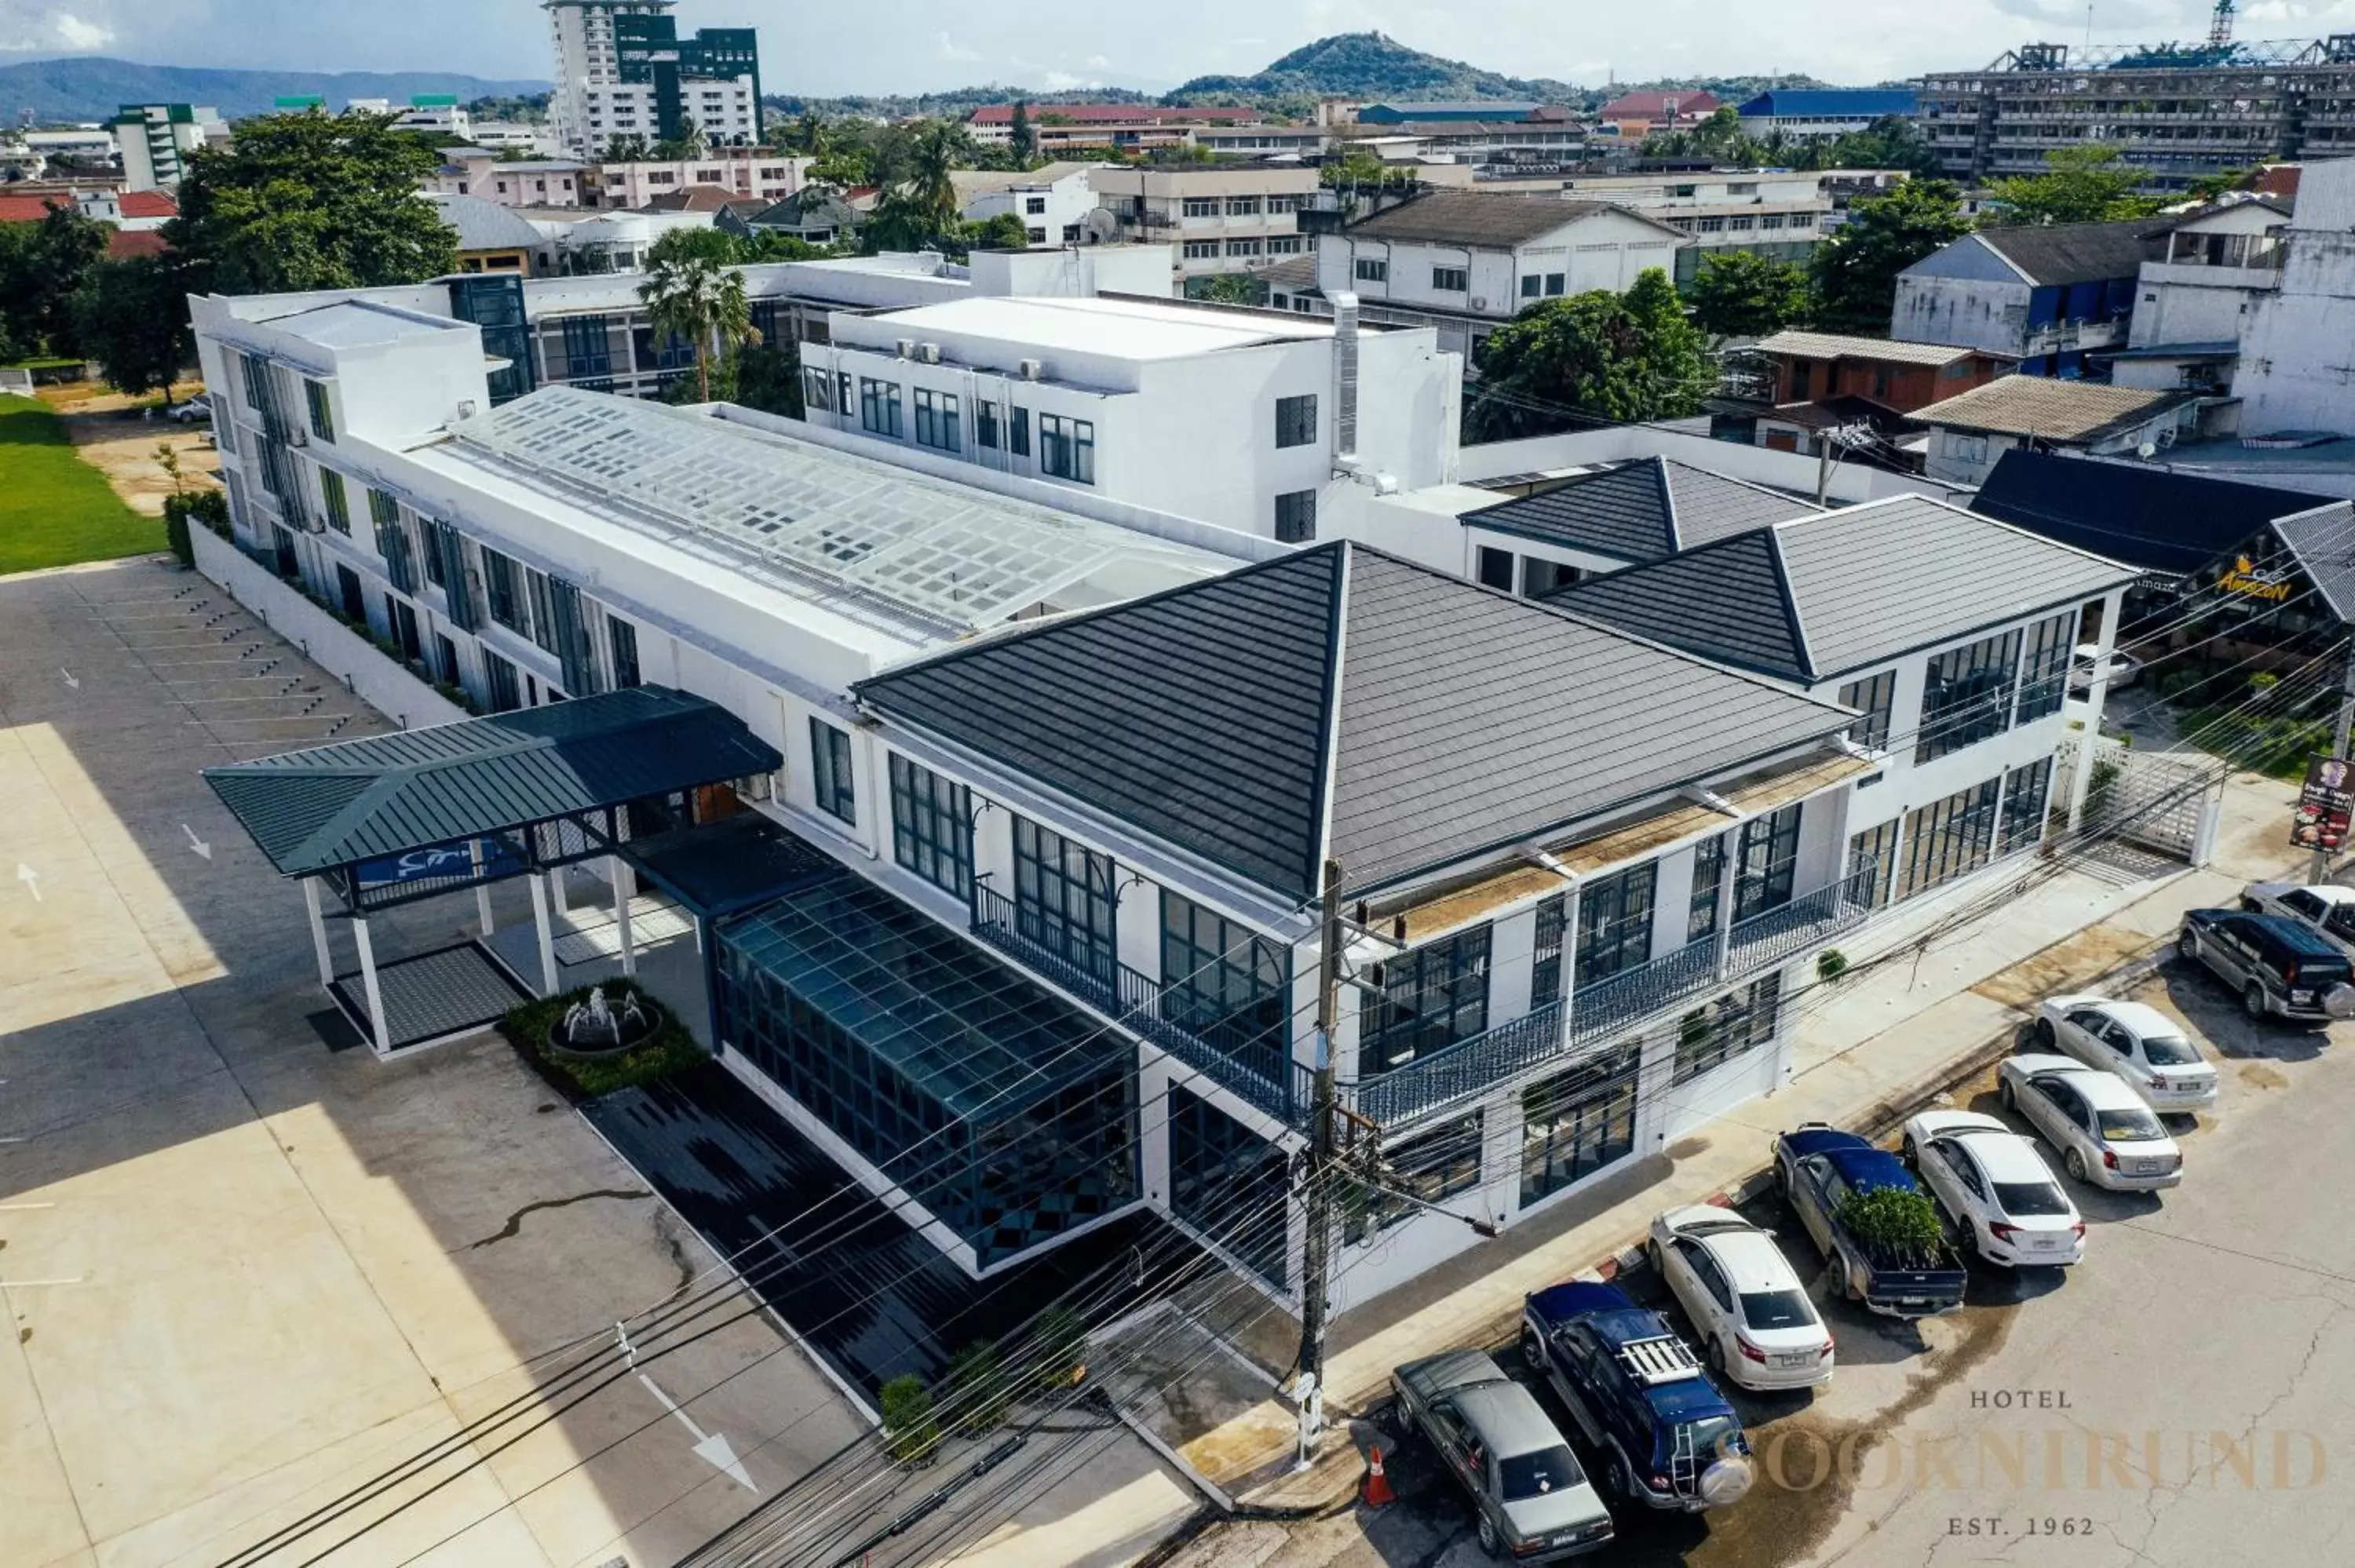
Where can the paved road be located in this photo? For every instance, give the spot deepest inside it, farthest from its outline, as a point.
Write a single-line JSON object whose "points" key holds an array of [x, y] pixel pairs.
{"points": [[2178, 1400]]}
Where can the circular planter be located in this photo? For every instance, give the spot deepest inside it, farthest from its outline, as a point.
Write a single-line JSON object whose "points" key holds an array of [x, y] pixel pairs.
{"points": [[633, 1035]]}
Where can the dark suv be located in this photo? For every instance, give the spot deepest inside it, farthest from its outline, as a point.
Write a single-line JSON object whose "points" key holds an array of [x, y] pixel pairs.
{"points": [[2281, 968]]}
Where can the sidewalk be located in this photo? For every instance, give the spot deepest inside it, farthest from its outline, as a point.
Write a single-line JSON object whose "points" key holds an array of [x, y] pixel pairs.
{"points": [[1897, 1033]]}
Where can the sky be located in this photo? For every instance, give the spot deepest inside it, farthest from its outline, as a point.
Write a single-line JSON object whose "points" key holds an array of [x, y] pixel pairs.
{"points": [[911, 46]]}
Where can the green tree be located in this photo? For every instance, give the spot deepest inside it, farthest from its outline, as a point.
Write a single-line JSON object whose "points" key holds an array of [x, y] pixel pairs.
{"points": [[309, 201], [767, 377], [1001, 231], [131, 316], [1740, 293], [41, 268], [1617, 356], [716, 246], [1228, 289], [692, 298], [1025, 139], [2081, 184], [2210, 187], [630, 149], [689, 140], [1856, 269], [936, 151]]}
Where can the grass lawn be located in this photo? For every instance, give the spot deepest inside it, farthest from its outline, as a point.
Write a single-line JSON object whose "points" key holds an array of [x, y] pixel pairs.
{"points": [[56, 509]]}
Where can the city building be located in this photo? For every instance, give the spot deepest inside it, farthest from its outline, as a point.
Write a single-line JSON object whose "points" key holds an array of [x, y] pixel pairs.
{"points": [[1053, 201], [1402, 113], [1465, 262], [1608, 516], [1501, 147], [1824, 111], [1125, 397], [1220, 217], [153, 141], [1777, 214], [623, 72], [2294, 349], [1970, 432], [2044, 295], [1133, 127], [502, 136], [2192, 303], [436, 114], [480, 173], [742, 172], [2177, 112], [1804, 385], [495, 238], [1633, 116]]}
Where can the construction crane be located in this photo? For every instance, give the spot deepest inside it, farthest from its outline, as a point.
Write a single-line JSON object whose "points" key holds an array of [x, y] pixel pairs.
{"points": [[2220, 26]]}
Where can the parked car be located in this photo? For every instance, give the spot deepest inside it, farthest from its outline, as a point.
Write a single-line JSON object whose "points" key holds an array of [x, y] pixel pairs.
{"points": [[2124, 669], [2138, 1043], [197, 410], [2327, 908], [1637, 1391], [1818, 1168], [2282, 968], [2106, 1134], [1996, 1187], [1758, 1327], [1532, 1502]]}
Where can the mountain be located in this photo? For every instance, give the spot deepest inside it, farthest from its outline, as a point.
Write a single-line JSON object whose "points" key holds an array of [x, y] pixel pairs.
{"points": [[1369, 65], [92, 87]]}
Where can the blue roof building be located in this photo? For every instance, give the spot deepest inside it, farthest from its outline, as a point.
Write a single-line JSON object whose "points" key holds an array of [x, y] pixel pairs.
{"points": [[1426, 113], [1824, 111]]}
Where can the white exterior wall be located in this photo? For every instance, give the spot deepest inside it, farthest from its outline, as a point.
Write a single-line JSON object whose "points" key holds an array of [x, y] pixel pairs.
{"points": [[636, 183], [1967, 313], [1059, 206], [2295, 368], [1599, 250], [2177, 303]]}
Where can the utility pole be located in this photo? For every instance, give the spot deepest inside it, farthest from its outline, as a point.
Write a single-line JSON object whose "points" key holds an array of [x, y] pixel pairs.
{"points": [[2319, 871], [1823, 465], [1317, 1258]]}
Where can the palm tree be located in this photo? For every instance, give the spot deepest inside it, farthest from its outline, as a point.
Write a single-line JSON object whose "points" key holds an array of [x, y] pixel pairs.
{"points": [[936, 152], [690, 296]]}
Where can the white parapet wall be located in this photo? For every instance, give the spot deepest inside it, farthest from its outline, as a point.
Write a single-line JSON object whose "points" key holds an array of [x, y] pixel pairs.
{"points": [[327, 642]]}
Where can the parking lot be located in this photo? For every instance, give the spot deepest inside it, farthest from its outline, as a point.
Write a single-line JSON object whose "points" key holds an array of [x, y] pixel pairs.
{"points": [[2176, 1399]]}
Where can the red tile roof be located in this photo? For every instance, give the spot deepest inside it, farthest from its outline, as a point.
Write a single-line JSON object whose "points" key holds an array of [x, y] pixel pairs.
{"points": [[149, 204], [29, 208], [123, 242], [1110, 114], [1657, 106]]}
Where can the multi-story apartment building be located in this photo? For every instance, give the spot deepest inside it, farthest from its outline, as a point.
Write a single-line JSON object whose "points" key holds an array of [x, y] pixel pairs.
{"points": [[2294, 360], [2192, 302], [152, 138], [1824, 111], [1125, 398], [623, 72], [1773, 213], [2046, 296], [1058, 129], [524, 182], [1465, 262], [2175, 110], [747, 172], [1220, 217], [1053, 201]]}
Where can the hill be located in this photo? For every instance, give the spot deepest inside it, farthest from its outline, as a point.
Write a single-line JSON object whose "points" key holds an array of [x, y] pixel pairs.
{"points": [[1369, 65], [92, 87]]}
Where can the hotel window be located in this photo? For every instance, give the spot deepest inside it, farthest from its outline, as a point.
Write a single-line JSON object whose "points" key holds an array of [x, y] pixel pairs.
{"points": [[931, 827], [936, 420], [1707, 879], [1948, 839], [1372, 269], [1433, 1166], [499, 590], [1530, 285], [1767, 861], [1576, 1123], [2044, 666], [1873, 697], [1225, 985], [339, 504], [1450, 279], [1495, 568], [323, 418], [1243, 207], [1967, 696], [1425, 1001], [624, 640], [2025, 790], [1018, 432], [1734, 1025], [1615, 923], [1202, 250], [1295, 420], [1064, 899], [1296, 517], [984, 424], [830, 773], [1067, 449], [1545, 955], [879, 405]]}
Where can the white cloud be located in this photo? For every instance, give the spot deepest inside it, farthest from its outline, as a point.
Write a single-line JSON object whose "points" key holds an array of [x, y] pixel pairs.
{"points": [[1064, 82], [77, 33], [1098, 62], [949, 49]]}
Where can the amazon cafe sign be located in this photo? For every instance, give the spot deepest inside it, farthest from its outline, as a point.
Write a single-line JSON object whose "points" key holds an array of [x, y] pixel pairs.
{"points": [[2246, 579]]}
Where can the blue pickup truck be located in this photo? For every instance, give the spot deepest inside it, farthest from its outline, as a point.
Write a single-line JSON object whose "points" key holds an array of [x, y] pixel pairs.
{"points": [[1818, 1168], [1668, 1438]]}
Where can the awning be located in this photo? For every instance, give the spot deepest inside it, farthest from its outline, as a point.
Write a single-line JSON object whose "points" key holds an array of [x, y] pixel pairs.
{"points": [[386, 796]]}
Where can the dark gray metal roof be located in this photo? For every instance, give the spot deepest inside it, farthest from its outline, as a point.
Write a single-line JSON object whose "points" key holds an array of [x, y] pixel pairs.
{"points": [[2147, 516], [1479, 219], [1458, 719], [1837, 591], [338, 805], [2079, 253], [2323, 542], [1640, 510]]}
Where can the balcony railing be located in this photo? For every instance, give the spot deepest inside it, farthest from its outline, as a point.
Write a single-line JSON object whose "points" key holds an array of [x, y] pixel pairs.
{"points": [[1460, 1071], [1138, 1004]]}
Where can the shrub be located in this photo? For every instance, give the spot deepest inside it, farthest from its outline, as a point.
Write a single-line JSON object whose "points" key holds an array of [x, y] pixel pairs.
{"points": [[909, 1433], [1830, 964], [978, 1391], [1893, 1223], [184, 507], [1062, 1349], [669, 1048]]}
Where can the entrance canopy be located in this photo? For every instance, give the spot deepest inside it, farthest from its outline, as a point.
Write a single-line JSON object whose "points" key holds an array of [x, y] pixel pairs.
{"points": [[391, 817]]}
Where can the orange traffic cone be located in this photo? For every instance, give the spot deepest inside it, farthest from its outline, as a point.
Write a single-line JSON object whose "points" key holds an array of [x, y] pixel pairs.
{"points": [[1377, 1493]]}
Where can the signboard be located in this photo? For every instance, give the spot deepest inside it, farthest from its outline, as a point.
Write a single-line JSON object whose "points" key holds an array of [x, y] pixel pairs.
{"points": [[2324, 806], [451, 860], [2248, 580]]}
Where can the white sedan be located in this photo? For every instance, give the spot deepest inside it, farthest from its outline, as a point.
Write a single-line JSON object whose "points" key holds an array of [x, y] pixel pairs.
{"points": [[2124, 669], [2139, 1043], [2325, 907], [1747, 1305], [1995, 1186], [2106, 1135]]}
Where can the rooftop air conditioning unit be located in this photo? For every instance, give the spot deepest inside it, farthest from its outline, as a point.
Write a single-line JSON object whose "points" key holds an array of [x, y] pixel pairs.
{"points": [[907, 347], [929, 353], [1032, 369]]}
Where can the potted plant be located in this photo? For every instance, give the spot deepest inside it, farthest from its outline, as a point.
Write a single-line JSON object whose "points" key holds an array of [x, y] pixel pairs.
{"points": [[1893, 1223]]}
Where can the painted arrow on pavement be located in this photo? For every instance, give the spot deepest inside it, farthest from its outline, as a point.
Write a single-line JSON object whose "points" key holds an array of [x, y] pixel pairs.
{"points": [[196, 843], [31, 879], [71, 681], [713, 1447]]}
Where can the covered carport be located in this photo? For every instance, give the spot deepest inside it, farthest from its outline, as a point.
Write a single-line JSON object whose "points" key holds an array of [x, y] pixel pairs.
{"points": [[372, 824]]}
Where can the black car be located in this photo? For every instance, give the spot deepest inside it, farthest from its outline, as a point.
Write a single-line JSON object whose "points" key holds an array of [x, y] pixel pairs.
{"points": [[2281, 968]]}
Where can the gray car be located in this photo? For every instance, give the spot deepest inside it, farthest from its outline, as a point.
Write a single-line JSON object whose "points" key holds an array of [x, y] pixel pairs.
{"points": [[1533, 1502]]}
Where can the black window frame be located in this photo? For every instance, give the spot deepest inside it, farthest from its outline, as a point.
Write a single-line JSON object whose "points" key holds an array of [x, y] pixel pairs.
{"points": [[1546, 942], [1881, 843], [2046, 652], [1296, 517], [1225, 985], [322, 413], [1494, 564], [1967, 696], [1370, 269], [2027, 791], [337, 501], [938, 420], [1017, 431], [1295, 420], [1066, 898], [984, 424], [499, 596], [1948, 839], [931, 827], [834, 781], [879, 407], [1710, 857], [1426, 999], [622, 637], [1451, 280], [1742, 1020], [1615, 923], [1577, 1122], [1766, 863], [1874, 695], [1066, 448], [1434, 1165]]}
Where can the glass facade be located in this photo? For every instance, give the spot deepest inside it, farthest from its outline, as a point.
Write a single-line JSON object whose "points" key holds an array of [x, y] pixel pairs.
{"points": [[1545, 960], [1063, 899], [1433, 1166], [1576, 1123], [1229, 1184], [1707, 883], [1428, 999], [2044, 666], [1769, 858], [1615, 923], [1878, 847], [931, 827], [830, 773], [1873, 697], [2025, 792], [1733, 1025], [1968, 695], [925, 1054], [1948, 839], [1225, 985]]}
